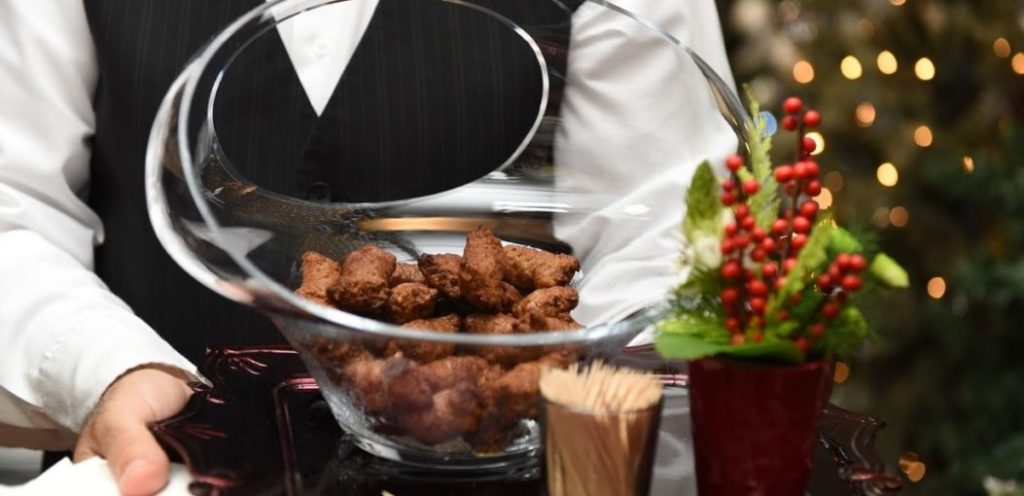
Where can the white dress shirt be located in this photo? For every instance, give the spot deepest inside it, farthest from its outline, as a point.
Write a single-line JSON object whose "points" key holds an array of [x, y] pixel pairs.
{"points": [[63, 336]]}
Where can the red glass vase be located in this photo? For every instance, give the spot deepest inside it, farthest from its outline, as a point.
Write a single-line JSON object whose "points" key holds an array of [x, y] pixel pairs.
{"points": [[755, 425]]}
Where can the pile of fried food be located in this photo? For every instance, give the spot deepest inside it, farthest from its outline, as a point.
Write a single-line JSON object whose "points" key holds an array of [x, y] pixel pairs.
{"points": [[438, 392]]}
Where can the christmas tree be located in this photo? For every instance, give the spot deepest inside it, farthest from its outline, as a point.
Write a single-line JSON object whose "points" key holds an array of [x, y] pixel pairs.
{"points": [[922, 105]]}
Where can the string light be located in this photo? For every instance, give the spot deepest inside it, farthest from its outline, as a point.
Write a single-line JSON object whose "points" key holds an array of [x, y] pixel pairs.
{"points": [[824, 199], [1001, 47], [897, 3], [968, 164], [925, 69], [899, 216], [1017, 62], [887, 62], [887, 174], [834, 181], [923, 136], [819, 142], [912, 466], [881, 217], [865, 114], [936, 287], [850, 67], [842, 373], [803, 72]]}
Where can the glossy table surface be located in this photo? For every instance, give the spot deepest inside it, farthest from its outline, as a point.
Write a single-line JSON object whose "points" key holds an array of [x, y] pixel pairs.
{"points": [[263, 428]]}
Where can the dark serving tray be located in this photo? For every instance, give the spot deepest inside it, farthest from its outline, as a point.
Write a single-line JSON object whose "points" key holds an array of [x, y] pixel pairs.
{"points": [[263, 429]]}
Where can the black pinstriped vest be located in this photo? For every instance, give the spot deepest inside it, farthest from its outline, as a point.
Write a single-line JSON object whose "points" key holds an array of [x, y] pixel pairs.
{"points": [[143, 44]]}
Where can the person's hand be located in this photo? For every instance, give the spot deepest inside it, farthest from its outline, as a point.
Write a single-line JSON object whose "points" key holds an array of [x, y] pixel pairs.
{"points": [[117, 430]]}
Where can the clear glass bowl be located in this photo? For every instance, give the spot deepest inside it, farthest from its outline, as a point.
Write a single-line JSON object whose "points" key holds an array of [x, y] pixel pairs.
{"points": [[573, 130]]}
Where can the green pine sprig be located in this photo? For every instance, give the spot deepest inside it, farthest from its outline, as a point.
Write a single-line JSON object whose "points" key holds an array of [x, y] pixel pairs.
{"points": [[765, 203]]}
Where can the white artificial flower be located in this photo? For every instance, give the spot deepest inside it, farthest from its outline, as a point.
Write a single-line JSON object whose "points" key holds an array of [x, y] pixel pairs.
{"points": [[707, 252]]}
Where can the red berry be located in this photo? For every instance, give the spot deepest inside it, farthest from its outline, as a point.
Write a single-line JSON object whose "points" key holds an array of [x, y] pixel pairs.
{"points": [[809, 209], [741, 210], [741, 241], [829, 310], [770, 269], [729, 295], [758, 234], [789, 123], [783, 173], [733, 162], [750, 186], [851, 283], [794, 299], [783, 314], [811, 169], [768, 245], [803, 344], [758, 255], [799, 240], [835, 272], [779, 226], [757, 287], [812, 118], [792, 105], [800, 170], [727, 247], [758, 336], [788, 265], [801, 225], [730, 229], [813, 188], [824, 282], [788, 214], [737, 339], [731, 269], [728, 185], [858, 263], [779, 283], [727, 198], [817, 330], [733, 325], [843, 261], [809, 145], [748, 274], [757, 304], [748, 223]]}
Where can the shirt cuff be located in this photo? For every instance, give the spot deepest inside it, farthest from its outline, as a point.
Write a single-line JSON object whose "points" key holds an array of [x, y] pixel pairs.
{"points": [[92, 353]]}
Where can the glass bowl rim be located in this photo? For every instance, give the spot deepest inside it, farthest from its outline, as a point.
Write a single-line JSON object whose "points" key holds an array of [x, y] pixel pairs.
{"points": [[187, 85]]}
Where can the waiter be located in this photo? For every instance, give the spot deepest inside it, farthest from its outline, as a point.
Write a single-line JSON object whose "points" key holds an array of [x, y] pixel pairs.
{"points": [[99, 330]]}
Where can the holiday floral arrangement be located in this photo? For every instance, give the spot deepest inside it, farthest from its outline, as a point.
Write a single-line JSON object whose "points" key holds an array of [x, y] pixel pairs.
{"points": [[773, 277]]}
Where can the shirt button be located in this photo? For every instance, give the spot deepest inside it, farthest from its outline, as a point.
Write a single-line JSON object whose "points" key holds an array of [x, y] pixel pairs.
{"points": [[321, 47]]}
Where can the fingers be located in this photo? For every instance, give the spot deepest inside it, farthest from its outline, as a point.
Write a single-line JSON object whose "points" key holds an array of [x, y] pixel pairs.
{"points": [[118, 429]]}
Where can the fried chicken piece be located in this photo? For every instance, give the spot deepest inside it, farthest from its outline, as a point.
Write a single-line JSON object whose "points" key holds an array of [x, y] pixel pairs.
{"points": [[480, 278], [411, 301], [414, 388], [426, 351], [529, 269], [319, 274], [452, 412], [363, 285], [502, 323], [441, 272], [547, 310], [406, 272], [370, 376]]}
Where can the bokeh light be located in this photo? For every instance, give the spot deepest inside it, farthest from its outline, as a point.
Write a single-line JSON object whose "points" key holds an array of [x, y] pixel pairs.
{"points": [[899, 216], [968, 164], [881, 217], [897, 2], [936, 287], [803, 72], [841, 374], [851, 68], [887, 62], [824, 199], [887, 174], [923, 136], [819, 142], [912, 466], [924, 69], [865, 114], [1001, 47], [834, 181], [1018, 63], [865, 28]]}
